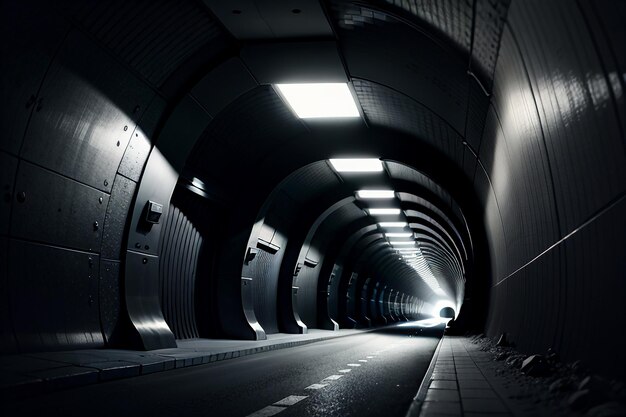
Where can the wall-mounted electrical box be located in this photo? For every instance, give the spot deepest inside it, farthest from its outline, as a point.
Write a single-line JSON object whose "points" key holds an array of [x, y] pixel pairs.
{"points": [[153, 212]]}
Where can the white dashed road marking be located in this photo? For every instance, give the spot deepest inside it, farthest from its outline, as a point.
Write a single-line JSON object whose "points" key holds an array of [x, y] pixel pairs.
{"points": [[362, 360], [354, 364], [291, 400], [316, 386], [369, 357], [345, 370], [332, 377], [270, 410]]}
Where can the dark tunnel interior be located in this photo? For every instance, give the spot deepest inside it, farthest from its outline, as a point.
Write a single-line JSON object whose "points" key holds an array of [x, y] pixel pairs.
{"points": [[160, 183]]}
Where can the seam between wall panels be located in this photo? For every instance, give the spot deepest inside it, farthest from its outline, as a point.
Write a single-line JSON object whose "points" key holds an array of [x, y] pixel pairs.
{"points": [[586, 223]]}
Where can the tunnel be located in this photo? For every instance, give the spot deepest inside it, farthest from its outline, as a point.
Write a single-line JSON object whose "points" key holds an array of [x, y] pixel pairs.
{"points": [[241, 173]]}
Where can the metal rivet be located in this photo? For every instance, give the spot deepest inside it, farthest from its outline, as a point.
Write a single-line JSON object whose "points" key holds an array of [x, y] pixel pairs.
{"points": [[296, 11], [100, 200], [95, 225], [146, 247], [21, 196], [90, 300], [90, 262], [144, 260], [137, 108], [136, 134], [125, 128], [118, 143], [106, 183], [138, 245]]}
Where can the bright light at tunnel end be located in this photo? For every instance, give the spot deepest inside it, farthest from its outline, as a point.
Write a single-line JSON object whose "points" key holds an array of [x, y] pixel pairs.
{"points": [[318, 100], [356, 164]]}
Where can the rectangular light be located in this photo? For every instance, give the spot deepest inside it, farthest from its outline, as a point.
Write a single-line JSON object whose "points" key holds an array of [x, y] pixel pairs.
{"points": [[316, 100], [384, 211], [357, 164], [406, 234], [375, 194], [392, 224], [397, 243]]}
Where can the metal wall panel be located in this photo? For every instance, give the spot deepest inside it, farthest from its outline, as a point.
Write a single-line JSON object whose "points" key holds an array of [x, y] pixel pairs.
{"points": [[517, 162], [596, 288], [110, 290], [7, 337], [53, 209], [8, 169], [583, 139], [57, 291], [138, 149], [89, 110], [116, 218], [157, 184], [141, 291], [32, 34]]}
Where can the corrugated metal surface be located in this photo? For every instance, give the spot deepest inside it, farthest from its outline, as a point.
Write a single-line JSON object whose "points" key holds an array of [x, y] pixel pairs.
{"points": [[179, 249], [153, 36]]}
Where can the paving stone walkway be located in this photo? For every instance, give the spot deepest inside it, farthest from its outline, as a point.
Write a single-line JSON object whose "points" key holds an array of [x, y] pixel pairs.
{"points": [[464, 381]]}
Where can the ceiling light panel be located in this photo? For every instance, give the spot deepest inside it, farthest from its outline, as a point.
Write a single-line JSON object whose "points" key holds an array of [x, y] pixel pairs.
{"points": [[383, 211], [375, 194], [403, 234], [357, 164], [392, 224], [318, 100]]}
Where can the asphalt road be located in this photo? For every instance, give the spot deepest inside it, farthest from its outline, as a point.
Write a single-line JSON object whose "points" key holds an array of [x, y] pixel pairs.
{"points": [[371, 374]]}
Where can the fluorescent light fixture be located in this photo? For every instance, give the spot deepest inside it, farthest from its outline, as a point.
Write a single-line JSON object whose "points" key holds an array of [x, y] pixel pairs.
{"points": [[393, 224], [317, 100], [375, 194], [401, 243], [385, 211], [404, 234], [357, 164]]}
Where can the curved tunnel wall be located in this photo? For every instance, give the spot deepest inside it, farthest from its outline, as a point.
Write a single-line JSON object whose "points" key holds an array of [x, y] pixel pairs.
{"points": [[535, 122]]}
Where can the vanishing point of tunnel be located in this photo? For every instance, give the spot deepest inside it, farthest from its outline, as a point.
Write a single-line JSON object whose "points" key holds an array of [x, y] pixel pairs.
{"points": [[313, 208]]}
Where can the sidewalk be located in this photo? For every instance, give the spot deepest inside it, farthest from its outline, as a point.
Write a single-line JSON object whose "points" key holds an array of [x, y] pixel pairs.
{"points": [[464, 381], [31, 373]]}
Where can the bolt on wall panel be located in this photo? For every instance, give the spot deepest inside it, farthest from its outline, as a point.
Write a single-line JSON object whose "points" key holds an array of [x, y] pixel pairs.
{"points": [[54, 209], [89, 109], [57, 290]]}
